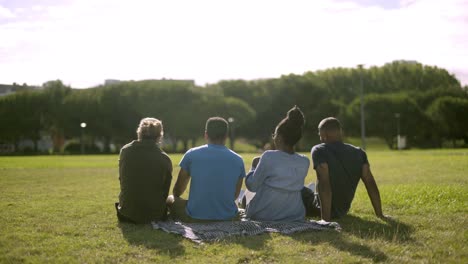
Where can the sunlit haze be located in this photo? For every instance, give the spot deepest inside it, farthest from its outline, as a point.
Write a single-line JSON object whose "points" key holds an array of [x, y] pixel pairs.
{"points": [[84, 42]]}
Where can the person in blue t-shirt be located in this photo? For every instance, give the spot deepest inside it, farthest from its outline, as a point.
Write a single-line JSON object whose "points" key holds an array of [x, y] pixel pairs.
{"points": [[215, 174]]}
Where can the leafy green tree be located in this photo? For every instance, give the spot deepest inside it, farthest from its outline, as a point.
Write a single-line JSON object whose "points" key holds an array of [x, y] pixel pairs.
{"points": [[426, 98], [450, 116], [117, 109], [381, 121], [10, 118], [31, 116], [54, 117], [112, 112], [21, 114]]}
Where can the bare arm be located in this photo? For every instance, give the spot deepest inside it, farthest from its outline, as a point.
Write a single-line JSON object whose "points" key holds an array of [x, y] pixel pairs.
{"points": [[168, 179], [372, 190], [257, 175], [181, 183], [324, 190], [255, 162]]}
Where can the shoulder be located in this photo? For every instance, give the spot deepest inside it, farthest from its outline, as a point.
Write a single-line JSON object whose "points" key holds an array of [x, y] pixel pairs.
{"points": [[351, 146], [166, 157], [236, 156], [269, 154], [303, 160], [127, 146], [302, 157], [318, 148], [196, 150], [354, 148], [273, 156], [359, 151], [231, 156]]}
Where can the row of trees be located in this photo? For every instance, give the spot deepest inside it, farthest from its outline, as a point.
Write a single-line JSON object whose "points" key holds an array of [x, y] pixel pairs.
{"points": [[113, 112], [430, 102]]}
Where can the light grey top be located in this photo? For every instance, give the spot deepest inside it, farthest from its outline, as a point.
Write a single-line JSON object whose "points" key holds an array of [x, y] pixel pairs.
{"points": [[277, 182]]}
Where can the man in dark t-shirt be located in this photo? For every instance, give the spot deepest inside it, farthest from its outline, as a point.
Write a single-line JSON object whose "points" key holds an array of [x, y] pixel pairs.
{"points": [[339, 168], [145, 174]]}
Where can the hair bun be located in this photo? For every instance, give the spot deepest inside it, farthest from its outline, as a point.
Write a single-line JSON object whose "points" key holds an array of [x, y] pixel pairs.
{"points": [[296, 117]]}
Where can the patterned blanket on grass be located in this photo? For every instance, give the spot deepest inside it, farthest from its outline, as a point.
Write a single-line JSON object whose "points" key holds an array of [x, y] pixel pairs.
{"points": [[209, 232]]}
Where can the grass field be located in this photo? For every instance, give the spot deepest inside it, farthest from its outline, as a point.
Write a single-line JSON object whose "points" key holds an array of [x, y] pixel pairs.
{"points": [[60, 209]]}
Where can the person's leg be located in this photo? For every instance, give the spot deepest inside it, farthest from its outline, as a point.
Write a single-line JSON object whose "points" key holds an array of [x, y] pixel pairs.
{"points": [[244, 198], [311, 202], [315, 210], [240, 199], [176, 206], [121, 217], [248, 196]]}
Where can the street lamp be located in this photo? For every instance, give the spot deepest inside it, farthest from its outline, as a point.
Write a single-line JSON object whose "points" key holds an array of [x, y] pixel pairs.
{"points": [[397, 116], [361, 95], [83, 126], [231, 132]]}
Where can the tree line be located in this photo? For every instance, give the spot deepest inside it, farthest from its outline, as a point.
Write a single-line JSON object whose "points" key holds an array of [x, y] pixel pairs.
{"points": [[430, 104]]}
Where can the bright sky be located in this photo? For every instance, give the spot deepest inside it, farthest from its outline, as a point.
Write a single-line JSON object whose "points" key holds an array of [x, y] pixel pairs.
{"points": [[84, 42]]}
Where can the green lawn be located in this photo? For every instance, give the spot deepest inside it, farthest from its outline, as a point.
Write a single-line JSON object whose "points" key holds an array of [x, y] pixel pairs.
{"points": [[60, 209]]}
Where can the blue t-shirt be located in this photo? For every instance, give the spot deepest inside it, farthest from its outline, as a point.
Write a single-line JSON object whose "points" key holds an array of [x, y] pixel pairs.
{"points": [[214, 171]]}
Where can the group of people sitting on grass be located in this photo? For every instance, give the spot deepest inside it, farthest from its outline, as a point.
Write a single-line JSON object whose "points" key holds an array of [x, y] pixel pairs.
{"points": [[216, 175]]}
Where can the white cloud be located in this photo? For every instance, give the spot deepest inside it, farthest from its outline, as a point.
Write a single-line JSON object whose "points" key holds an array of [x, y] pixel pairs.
{"points": [[85, 42], [6, 13]]}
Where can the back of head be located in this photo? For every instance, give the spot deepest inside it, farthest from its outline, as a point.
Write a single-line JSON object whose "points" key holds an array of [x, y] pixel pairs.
{"points": [[216, 128], [150, 128], [329, 124], [290, 128]]}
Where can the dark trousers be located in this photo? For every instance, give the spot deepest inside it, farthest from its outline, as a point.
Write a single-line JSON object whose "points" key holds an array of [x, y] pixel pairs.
{"points": [[121, 217], [311, 202]]}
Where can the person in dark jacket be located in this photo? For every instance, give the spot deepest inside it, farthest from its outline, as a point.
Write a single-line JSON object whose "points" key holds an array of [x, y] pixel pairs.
{"points": [[145, 174]]}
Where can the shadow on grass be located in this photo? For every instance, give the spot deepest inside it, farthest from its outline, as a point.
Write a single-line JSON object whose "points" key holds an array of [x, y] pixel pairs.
{"points": [[339, 242], [145, 235], [390, 229], [256, 242], [352, 226]]}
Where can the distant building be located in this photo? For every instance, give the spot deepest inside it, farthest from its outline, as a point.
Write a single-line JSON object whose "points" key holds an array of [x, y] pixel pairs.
{"points": [[111, 81], [405, 61], [188, 82], [6, 89]]}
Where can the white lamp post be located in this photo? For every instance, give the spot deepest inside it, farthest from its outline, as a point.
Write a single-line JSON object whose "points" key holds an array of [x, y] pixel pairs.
{"points": [[83, 126], [231, 132], [397, 116], [363, 124]]}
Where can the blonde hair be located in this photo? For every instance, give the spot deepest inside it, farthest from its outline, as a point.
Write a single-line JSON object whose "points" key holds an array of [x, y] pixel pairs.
{"points": [[150, 128]]}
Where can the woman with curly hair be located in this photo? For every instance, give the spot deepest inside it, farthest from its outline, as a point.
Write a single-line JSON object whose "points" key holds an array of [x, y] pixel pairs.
{"points": [[278, 178]]}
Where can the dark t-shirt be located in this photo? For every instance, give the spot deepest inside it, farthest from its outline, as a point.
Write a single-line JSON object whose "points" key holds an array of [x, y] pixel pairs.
{"points": [[145, 174], [345, 163]]}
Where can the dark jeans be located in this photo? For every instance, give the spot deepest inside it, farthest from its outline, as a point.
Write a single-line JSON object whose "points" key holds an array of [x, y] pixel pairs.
{"points": [[121, 217], [311, 202], [177, 211]]}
